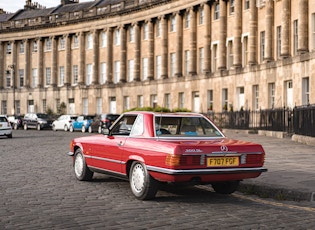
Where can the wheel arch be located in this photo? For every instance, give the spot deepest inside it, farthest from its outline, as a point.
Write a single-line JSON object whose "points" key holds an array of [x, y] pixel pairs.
{"points": [[132, 159]]}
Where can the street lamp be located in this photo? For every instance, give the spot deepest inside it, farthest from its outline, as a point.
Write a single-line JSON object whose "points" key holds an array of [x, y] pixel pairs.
{"points": [[12, 68]]}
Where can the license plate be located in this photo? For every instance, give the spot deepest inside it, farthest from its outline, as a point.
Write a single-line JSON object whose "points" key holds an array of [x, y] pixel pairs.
{"points": [[222, 161]]}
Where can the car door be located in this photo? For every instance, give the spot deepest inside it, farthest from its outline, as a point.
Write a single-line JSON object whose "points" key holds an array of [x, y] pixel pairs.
{"points": [[59, 124], [33, 120], [78, 123], [109, 151]]}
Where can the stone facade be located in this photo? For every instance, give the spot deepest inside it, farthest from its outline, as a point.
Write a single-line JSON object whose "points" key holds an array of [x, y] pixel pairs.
{"points": [[97, 57]]}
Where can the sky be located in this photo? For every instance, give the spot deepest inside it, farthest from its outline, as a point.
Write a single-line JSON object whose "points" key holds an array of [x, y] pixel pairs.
{"points": [[14, 5]]}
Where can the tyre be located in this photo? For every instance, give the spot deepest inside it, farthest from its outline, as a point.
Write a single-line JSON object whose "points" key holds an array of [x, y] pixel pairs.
{"points": [[99, 129], [65, 128], [83, 129], [71, 128], [143, 186], [226, 187], [38, 127], [81, 171], [9, 136], [90, 129], [25, 126]]}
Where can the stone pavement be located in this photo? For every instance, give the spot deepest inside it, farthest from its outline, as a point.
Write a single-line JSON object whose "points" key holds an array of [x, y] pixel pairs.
{"points": [[291, 168]]}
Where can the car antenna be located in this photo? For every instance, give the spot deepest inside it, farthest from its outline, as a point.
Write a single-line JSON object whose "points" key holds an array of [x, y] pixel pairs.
{"points": [[161, 115]]}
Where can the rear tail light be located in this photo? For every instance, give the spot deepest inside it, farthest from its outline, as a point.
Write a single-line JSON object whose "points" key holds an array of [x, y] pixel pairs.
{"points": [[255, 158], [188, 160], [172, 160]]}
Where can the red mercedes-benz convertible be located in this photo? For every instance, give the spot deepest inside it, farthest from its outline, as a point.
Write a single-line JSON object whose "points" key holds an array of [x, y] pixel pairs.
{"points": [[149, 148]]}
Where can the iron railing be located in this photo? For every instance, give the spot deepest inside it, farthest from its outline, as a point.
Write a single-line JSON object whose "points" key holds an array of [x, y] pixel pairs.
{"points": [[304, 120], [279, 119]]}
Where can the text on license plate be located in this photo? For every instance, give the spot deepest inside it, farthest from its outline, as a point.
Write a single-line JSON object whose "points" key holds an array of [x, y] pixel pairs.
{"points": [[222, 161]]}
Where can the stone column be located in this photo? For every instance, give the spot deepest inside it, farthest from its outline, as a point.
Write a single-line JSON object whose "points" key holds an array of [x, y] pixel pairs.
{"points": [[123, 54], [252, 59], [269, 29], [2, 69], [137, 52], [14, 63], [207, 57], [68, 60], [303, 26], [27, 63], [40, 63], [54, 70], [151, 50], [193, 42], [96, 48], [237, 46], [179, 44], [285, 28], [164, 69], [109, 57], [81, 77], [223, 35]]}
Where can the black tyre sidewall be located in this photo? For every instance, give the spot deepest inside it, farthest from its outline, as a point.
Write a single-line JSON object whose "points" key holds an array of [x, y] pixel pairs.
{"points": [[150, 184], [86, 174]]}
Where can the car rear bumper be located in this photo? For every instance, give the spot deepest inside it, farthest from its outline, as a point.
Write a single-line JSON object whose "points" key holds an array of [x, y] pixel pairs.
{"points": [[204, 176], [5, 132], [206, 171]]}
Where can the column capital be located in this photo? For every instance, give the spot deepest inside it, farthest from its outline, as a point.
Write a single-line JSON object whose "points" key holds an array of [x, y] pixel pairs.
{"points": [[121, 26], [149, 20], [137, 23], [109, 29], [202, 5], [192, 8], [179, 12], [65, 35]]}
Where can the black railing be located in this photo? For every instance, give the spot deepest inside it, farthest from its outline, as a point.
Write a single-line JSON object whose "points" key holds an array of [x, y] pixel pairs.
{"points": [[304, 120], [279, 119]]}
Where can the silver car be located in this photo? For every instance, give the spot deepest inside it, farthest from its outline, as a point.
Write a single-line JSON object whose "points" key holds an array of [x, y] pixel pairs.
{"points": [[5, 127]]}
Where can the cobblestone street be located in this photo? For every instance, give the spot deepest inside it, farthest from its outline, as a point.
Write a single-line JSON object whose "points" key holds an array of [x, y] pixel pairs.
{"points": [[39, 191]]}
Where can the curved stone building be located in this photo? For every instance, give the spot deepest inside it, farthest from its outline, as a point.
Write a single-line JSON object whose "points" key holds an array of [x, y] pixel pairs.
{"points": [[112, 55]]}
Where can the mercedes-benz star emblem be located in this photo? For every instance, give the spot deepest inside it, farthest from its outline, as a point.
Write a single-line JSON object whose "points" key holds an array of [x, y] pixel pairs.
{"points": [[224, 148]]}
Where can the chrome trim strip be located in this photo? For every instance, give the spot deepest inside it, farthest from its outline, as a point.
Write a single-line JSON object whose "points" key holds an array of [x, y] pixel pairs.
{"points": [[205, 171], [105, 159], [224, 152], [224, 155], [213, 154], [219, 153]]}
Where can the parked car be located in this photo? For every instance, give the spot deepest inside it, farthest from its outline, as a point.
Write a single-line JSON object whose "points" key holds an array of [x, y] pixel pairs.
{"points": [[37, 121], [63, 122], [149, 148], [102, 121], [5, 127], [81, 123], [16, 121]]}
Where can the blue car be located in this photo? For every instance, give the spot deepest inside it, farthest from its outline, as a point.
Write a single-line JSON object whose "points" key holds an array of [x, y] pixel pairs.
{"points": [[82, 123]]}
